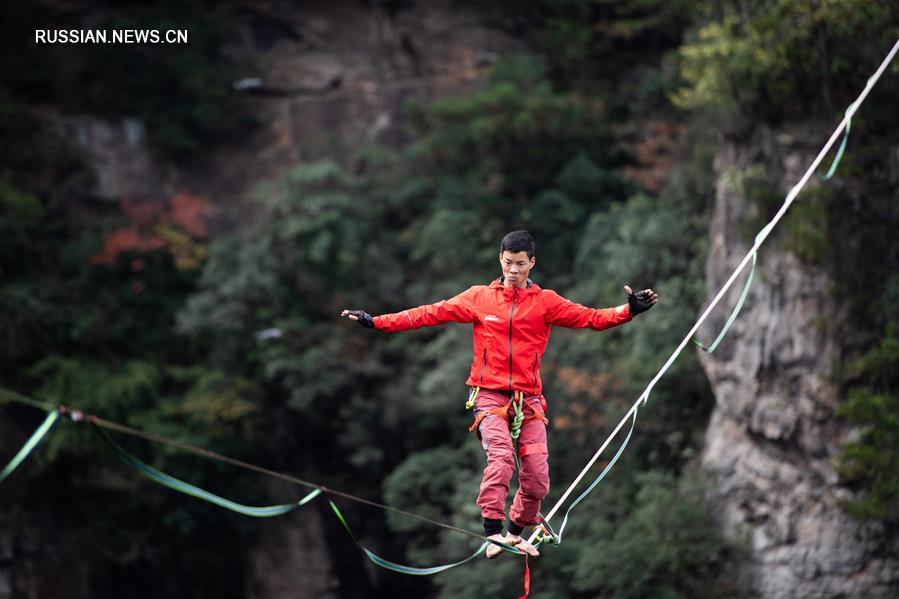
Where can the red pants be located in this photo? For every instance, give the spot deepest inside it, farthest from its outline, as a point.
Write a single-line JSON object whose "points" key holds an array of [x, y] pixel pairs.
{"points": [[534, 476]]}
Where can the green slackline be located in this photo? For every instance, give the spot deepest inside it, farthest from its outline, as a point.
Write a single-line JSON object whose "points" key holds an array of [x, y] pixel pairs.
{"points": [[555, 538], [188, 489], [389, 565], [738, 307], [827, 176], [258, 512], [34, 441], [275, 510]]}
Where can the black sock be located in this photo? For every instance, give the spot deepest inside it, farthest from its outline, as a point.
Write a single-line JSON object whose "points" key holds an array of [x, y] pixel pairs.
{"points": [[492, 527], [515, 529]]}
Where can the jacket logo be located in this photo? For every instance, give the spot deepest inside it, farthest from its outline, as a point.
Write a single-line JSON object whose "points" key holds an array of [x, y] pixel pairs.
{"points": [[492, 317]]}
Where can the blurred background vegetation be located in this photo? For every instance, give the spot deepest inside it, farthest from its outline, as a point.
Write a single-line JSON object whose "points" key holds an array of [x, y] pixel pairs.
{"points": [[159, 331]]}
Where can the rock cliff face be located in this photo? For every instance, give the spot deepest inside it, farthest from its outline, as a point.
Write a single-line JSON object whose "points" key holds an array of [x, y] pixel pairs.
{"points": [[321, 79], [773, 437]]}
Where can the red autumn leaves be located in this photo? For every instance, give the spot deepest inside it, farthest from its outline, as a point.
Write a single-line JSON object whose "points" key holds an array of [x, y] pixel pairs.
{"points": [[176, 226]]}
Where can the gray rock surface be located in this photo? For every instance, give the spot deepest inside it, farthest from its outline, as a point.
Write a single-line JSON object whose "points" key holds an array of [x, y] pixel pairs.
{"points": [[773, 437], [327, 79]]}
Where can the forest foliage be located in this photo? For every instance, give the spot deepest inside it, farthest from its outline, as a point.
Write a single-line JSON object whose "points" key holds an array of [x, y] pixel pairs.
{"points": [[161, 327]]}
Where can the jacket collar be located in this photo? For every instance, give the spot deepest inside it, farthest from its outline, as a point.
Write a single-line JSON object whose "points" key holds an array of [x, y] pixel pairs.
{"points": [[531, 288]]}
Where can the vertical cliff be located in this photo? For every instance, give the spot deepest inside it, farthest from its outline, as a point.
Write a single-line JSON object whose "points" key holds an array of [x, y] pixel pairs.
{"points": [[773, 436]]}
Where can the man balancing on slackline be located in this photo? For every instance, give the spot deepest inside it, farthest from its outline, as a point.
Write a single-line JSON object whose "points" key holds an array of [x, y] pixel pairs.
{"points": [[511, 320]]}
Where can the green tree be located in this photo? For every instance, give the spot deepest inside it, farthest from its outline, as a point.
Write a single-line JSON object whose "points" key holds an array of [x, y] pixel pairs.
{"points": [[871, 463]]}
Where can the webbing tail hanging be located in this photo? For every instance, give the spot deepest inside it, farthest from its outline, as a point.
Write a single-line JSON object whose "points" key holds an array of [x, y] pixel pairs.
{"points": [[764, 232], [188, 489], [384, 563], [35, 440], [555, 538]]}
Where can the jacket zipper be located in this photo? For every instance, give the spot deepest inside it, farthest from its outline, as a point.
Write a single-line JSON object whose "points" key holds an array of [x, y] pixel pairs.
{"points": [[484, 367], [534, 371], [511, 313]]}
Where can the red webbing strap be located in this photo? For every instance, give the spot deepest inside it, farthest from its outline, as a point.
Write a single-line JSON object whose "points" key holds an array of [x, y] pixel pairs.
{"points": [[502, 411], [527, 578], [538, 413], [532, 448]]}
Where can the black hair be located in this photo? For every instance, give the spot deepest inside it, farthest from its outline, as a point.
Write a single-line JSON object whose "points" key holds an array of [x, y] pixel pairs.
{"points": [[518, 241]]}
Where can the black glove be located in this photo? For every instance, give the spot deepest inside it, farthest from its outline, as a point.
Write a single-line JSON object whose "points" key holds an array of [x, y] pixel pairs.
{"points": [[364, 317], [640, 301]]}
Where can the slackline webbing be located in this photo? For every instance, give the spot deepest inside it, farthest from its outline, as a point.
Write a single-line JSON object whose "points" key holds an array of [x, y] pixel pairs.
{"points": [[188, 489], [34, 441], [759, 239], [826, 177], [176, 484], [408, 569], [555, 538]]}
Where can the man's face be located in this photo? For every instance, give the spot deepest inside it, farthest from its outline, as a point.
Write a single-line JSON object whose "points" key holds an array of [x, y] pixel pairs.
{"points": [[516, 267]]}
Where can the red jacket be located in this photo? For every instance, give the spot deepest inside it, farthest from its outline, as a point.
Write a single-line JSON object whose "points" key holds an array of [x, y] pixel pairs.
{"points": [[511, 329]]}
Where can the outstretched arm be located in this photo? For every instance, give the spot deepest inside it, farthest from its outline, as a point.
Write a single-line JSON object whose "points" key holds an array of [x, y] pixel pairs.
{"points": [[455, 309], [565, 313]]}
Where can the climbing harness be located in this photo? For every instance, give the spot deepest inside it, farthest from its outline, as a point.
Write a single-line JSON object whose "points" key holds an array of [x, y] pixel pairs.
{"points": [[516, 403]]}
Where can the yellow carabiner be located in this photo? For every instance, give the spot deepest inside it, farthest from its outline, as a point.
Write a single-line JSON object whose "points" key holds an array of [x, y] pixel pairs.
{"points": [[472, 397]]}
